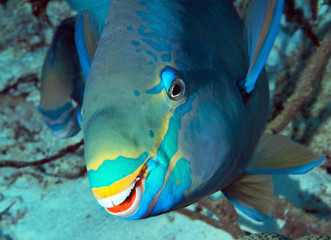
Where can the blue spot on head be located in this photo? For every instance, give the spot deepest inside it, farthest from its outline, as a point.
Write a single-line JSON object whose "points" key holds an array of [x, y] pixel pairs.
{"points": [[151, 133], [129, 28], [136, 93], [167, 76], [135, 43], [150, 63], [166, 57]]}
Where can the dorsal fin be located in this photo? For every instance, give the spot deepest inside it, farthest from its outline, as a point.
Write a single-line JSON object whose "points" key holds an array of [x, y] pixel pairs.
{"points": [[262, 24]]}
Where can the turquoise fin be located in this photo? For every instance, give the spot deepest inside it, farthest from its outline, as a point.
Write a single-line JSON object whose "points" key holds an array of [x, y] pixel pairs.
{"points": [[262, 24], [252, 195], [87, 37], [277, 154], [62, 82]]}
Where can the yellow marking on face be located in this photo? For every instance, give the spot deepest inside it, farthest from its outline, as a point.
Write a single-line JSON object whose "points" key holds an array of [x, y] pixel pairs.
{"points": [[177, 182], [118, 186], [101, 157]]}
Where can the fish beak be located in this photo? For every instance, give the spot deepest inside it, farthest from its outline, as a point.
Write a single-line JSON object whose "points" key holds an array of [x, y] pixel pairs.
{"points": [[126, 202]]}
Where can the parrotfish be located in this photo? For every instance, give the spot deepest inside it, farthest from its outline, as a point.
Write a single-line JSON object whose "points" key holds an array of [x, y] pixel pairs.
{"points": [[172, 98]]}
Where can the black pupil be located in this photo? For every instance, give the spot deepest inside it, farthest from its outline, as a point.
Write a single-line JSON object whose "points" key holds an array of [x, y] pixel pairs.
{"points": [[176, 89]]}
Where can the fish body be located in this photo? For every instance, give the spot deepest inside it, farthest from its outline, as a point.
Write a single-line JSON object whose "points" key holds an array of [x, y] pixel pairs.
{"points": [[170, 35], [175, 103]]}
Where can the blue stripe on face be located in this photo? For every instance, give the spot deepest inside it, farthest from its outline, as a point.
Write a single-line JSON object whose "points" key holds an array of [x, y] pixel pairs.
{"points": [[153, 184], [181, 172], [173, 193], [169, 145], [113, 170]]}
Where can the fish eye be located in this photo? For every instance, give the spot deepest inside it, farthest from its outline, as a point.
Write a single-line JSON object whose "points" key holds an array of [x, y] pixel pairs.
{"points": [[177, 89]]}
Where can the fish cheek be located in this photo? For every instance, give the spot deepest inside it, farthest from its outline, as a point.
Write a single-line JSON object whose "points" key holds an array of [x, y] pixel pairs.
{"points": [[204, 140]]}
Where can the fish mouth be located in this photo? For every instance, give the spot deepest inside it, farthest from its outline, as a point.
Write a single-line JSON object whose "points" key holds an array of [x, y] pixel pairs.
{"points": [[126, 202]]}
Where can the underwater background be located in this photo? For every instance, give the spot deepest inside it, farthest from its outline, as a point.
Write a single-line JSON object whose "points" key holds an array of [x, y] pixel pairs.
{"points": [[44, 190]]}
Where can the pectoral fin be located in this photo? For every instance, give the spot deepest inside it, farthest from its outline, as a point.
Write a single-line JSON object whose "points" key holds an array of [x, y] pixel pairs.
{"points": [[252, 195], [62, 82], [277, 154]]}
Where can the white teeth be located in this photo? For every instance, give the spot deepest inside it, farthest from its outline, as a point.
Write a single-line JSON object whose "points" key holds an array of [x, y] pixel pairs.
{"points": [[117, 199], [106, 202], [134, 206], [120, 197]]}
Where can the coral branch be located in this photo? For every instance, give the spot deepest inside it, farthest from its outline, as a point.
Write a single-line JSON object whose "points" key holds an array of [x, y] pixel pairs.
{"points": [[6, 209], [198, 216], [27, 79], [313, 9], [297, 16], [38, 6], [20, 164], [305, 87], [223, 210], [298, 222]]}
